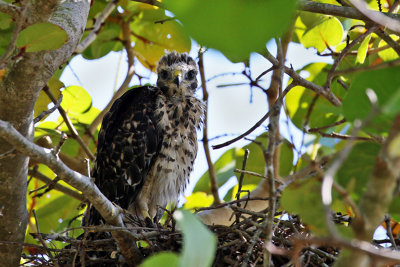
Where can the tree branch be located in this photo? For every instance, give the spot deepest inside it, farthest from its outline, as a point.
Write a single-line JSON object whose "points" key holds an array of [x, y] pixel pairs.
{"points": [[381, 18], [10, 9], [149, 2], [211, 169], [73, 193], [108, 211], [261, 121], [341, 11], [96, 28], [69, 124]]}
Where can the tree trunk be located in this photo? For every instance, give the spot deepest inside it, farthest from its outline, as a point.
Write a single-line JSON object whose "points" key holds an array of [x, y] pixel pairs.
{"points": [[19, 88]]}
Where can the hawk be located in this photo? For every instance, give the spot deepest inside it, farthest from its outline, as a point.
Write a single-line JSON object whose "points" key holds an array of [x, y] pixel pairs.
{"points": [[148, 141]]}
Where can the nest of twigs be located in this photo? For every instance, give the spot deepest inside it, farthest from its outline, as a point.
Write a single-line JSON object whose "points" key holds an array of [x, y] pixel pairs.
{"points": [[241, 244]]}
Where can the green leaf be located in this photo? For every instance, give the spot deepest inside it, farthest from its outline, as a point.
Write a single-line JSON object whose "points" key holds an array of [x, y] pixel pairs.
{"points": [[5, 21], [303, 197], [299, 99], [42, 36], [106, 41], [76, 100], [152, 39], [388, 54], [165, 259], [229, 25], [224, 167], [199, 244], [256, 163], [356, 170], [386, 85], [43, 100], [362, 50], [328, 31]]}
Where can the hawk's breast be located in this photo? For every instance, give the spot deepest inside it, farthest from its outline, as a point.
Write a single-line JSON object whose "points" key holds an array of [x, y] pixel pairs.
{"points": [[178, 120]]}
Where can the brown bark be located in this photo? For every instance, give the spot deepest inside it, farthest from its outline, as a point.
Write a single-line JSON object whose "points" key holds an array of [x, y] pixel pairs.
{"points": [[19, 88]]}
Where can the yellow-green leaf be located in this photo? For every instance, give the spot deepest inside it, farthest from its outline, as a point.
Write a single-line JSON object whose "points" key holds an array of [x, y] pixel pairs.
{"points": [[328, 31], [388, 54], [76, 100], [42, 36], [362, 50]]}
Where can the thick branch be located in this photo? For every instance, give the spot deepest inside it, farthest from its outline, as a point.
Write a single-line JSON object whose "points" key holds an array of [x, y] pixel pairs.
{"points": [[108, 211], [341, 11]]}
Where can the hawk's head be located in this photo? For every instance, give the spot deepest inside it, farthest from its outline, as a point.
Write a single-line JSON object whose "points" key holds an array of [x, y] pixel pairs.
{"points": [[177, 74]]}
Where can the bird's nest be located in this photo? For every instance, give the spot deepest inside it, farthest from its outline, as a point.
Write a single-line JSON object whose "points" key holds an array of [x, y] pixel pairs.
{"points": [[241, 244]]}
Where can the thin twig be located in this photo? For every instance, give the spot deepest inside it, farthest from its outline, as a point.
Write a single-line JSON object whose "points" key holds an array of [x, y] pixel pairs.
{"points": [[96, 28], [392, 43], [211, 169], [69, 124], [10, 9], [242, 173], [49, 111], [49, 253], [149, 2], [40, 176], [261, 121], [312, 130], [331, 73]]}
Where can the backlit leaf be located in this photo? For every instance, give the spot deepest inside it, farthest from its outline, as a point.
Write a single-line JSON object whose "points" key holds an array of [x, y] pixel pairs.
{"points": [[199, 243], [229, 25], [327, 32]]}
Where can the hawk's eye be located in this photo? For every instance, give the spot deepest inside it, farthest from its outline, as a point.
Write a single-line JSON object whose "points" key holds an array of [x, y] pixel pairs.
{"points": [[191, 75], [164, 74]]}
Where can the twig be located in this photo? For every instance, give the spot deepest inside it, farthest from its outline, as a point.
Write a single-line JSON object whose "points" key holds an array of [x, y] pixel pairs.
{"points": [[377, 17], [361, 246], [57, 149], [389, 233], [96, 28], [230, 203], [211, 169], [69, 124], [242, 173], [303, 82], [49, 111], [250, 173], [384, 65], [347, 137], [40, 176], [344, 52], [392, 43], [150, 2], [10, 9], [261, 121], [17, 29], [312, 130], [49, 253]]}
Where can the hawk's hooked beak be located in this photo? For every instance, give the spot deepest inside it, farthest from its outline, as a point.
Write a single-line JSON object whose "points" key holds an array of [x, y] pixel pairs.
{"points": [[178, 77]]}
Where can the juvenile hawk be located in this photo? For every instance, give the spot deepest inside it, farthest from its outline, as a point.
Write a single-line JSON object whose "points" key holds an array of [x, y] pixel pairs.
{"points": [[148, 142]]}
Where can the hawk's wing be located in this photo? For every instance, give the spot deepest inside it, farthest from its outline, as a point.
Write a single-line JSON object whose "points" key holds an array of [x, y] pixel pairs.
{"points": [[128, 144]]}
